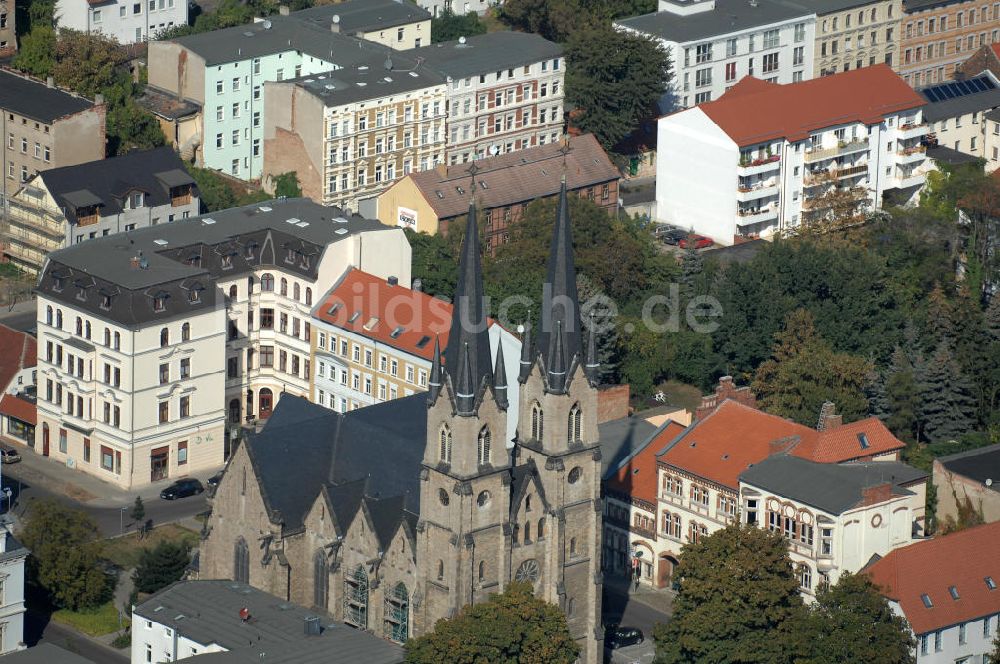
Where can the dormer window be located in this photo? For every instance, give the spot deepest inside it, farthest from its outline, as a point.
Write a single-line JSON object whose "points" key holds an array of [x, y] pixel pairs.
{"points": [[135, 200], [227, 262], [251, 249], [290, 256], [58, 283], [194, 294], [160, 302], [194, 260]]}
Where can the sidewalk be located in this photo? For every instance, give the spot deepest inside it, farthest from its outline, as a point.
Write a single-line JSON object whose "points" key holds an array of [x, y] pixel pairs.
{"points": [[658, 599]]}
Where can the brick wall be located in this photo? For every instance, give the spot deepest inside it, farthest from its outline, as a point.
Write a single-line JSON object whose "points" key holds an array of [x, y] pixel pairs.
{"points": [[612, 403]]}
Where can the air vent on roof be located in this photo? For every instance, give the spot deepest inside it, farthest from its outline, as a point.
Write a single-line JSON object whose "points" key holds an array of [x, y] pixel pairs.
{"points": [[264, 208], [926, 599], [157, 609], [341, 231], [387, 79], [329, 87], [208, 221], [310, 80], [483, 184], [361, 84], [362, 67], [354, 317], [395, 333], [180, 616], [423, 341], [953, 591], [334, 309], [302, 224], [414, 74], [439, 194], [340, 220], [162, 243], [292, 220]]}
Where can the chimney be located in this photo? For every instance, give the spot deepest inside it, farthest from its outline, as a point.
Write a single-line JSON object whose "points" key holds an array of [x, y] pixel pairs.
{"points": [[50, 82], [442, 169], [98, 99], [311, 626], [828, 417], [873, 495], [393, 281], [283, 10], [417, 285], [335, 23]]}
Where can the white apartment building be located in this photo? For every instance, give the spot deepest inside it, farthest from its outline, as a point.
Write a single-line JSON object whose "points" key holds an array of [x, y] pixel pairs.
{"points": [[715, 43], [375, 342], [504, 92], [12, 608], [946, 588], [956, 115], [762, 159], [127, 21], [834, 516], [149, 342]]}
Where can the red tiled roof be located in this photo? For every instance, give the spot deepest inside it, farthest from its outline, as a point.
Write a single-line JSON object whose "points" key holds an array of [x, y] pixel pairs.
{"points": [[996, 50], [757, 113], [963, 559], [419, 314], [515, 177], [637, 478], [18, 352], [724, 443], [19, 408]]}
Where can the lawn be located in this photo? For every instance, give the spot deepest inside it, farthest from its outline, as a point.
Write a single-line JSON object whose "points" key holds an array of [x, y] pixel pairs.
{"points": [[124, 551], [95, 622], [681, 394]]}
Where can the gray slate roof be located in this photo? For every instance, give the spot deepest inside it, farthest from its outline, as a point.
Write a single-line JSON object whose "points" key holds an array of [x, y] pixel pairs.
{"points": [[621, 438], [486, 54], [208, 612], [108, 182], [44, 653], [833, 488], [978, 465], [945, 155], [728, 16], [34, 99], [189, 253], [935, 111], [919, 5], [364, 15], [370, 79]]}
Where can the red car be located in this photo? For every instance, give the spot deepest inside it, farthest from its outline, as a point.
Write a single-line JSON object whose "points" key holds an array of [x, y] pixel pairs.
{"points": [[698, 241]]}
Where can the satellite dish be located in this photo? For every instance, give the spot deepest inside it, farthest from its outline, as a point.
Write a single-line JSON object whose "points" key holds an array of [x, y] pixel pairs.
{"points": [[461, 40], [267, 25], [495, 150], [989, 482], [336, 18]]}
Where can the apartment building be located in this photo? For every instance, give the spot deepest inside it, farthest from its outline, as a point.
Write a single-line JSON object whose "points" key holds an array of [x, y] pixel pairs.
{"points": [[8, 31], [715, 43], [946, 588], [13, 555], [153, 340], [44, 127], [956, 115], [222, 73], [17, 382], [699, 470], [938, 35], [68, 205], [375, 342], [503, 186], [851, 34], [350, 133], [504, 92], [836, 517], [126, 21], [725, 172], [398, 25]]}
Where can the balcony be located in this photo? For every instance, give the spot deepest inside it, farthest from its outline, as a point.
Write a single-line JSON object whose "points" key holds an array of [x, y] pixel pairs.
{"points": [[819, 177], [761, 165], [911, 130], [760, 190], [842, 148], [914, 179], [746, 217], [911, 155]]}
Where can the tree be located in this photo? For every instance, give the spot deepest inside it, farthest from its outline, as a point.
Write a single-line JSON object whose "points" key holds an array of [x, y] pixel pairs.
{"points": [[949, 409], [995, 655], [851, 622], [434, 263], [65, 558], [162, 565], [836, 207], [903, 395], [36, 51], [138, 512], [448, 26], [512, 627], [616, 79], [804, 372], [552, 19], [89, 63], [738, 601], [286, 185]]}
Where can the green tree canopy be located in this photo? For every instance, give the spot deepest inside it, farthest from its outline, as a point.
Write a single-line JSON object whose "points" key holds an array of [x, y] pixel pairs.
{"points": [[287, 185], [514, 627], [615, 80], [448, 26], [36, 51], [162, 565], [65, 560], [738, 601], [851, 622]]}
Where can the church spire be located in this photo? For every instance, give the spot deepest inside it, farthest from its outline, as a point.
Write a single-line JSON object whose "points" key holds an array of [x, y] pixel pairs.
{"points": [[500, 378], [556, 366], [434, 384], [527, 353], [560, 303], [592, 364], [468, 347]]}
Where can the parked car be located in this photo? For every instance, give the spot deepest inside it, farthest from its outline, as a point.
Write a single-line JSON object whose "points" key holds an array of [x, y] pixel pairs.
{"points": [[213, 482], [616, 637], [698, 241], [9, 455], [660, 229], [182, 489], [673, 236]]}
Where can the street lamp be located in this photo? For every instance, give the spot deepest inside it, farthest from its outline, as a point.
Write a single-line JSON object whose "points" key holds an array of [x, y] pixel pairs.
{"points": [[121, 520]]}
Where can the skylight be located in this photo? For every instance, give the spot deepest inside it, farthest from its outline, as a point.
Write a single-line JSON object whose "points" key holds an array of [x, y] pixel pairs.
{"points": [[354, 317], [863, 439], [208, 221], [953, 591], [423, 341], [926, 599], [334, 308], [990, 583], [395, 333]]}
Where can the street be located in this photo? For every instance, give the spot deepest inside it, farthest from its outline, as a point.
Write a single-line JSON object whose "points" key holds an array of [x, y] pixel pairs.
{"points": [[39, 629], [619, 608]]}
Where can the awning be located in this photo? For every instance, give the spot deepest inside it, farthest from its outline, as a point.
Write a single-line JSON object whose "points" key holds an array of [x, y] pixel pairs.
{"points": [[21, 409]]}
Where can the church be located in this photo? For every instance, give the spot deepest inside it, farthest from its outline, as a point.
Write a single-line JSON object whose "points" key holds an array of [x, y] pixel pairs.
{"points": [[394, 516]]}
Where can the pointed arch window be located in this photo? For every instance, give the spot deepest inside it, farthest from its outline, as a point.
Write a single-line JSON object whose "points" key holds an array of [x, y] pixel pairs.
{"points": [[241, 561], [444, 444], [356, 598], [537, 421], [540, 532], [440, 570], [397, 614], [573, 426], [482, 570], [484, 445], [321, 580]]}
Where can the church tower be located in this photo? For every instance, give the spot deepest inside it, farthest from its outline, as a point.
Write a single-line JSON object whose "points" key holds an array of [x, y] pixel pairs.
{"points": [[556, 487], [465, 478]]}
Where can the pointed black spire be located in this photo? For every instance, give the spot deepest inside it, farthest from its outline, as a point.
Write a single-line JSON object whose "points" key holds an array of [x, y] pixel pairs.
{"points": [[527, 355], [500, 378], [465, 389], [434, 384], [592, 365], [468, 319], [556, 366], [560, 303]]}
